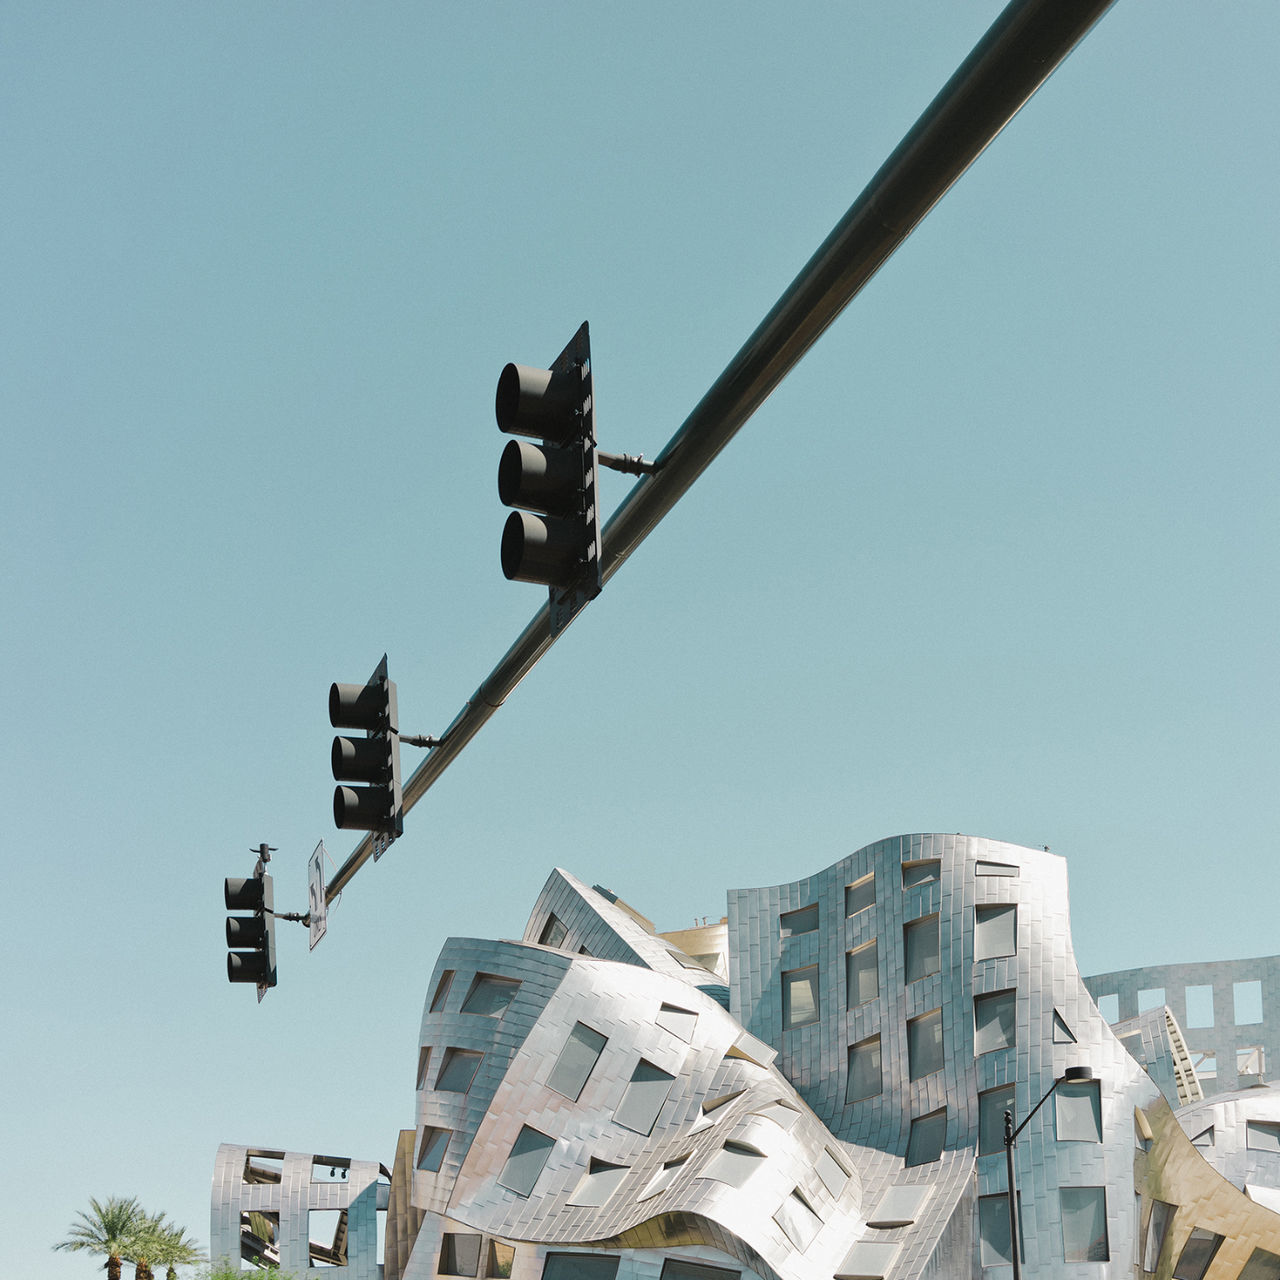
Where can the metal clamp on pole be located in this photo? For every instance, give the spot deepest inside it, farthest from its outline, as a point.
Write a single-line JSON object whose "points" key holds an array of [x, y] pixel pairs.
{"points": [[636, 465]]}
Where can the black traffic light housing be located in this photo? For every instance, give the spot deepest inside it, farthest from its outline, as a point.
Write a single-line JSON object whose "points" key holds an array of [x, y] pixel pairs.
{"points": [[373, 760], [251, 938], [554, 537]]}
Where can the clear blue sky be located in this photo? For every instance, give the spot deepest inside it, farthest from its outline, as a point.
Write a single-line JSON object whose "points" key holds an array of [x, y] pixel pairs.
{"points": [[998, 557]]}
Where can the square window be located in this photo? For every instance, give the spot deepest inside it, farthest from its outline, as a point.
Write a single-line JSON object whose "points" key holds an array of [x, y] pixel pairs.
{"points": [[490, 995], [435, 1142], [924, 1044], [1205, 1062], [992, 1104], [459, 1254], [860, 895], [928, 1137], [528, 1155], [865, 1080], [1084, 1224], [1078, 1111], [644, 1097], [1248, 1002], [1196, 1255], [458, 1070], [1199, 1006], [924, 871], [1251, 1060], [580, 1054], [805, 920], [995, 931], [993, 1021], [1261, 1266], [800, 997], [862, 976], [920, 942]]}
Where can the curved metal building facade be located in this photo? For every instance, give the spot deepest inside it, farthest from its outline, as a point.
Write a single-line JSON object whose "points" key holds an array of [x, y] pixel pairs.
{"points": [[812, 1089]]}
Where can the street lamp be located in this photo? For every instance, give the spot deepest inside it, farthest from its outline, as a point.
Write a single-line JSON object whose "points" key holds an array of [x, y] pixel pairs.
{"points": [[1072, 1075]]}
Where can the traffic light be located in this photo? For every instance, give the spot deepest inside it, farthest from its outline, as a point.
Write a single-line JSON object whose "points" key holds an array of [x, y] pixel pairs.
{"points": [[554, 537], [373, 759], [252, 939]]}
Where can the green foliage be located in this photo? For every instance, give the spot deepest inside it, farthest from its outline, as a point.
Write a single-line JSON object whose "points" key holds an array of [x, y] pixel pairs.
{"points": [[121, 1229], [225, 1269]]}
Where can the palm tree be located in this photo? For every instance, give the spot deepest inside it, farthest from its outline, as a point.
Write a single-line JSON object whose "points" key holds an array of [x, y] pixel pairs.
{"points": [[172, 1248], [111, 1228]]}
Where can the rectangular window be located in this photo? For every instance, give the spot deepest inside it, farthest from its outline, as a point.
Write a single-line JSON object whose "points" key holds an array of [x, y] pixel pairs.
{"points": [[442, 991], [663, 1178], [644, 1097], [920, 942], [599, 1182], [553, 933], [993, 1021], [800, 997], [458, 1070], [993, 1231], [580, 1266], [928, 1137], [924, 1044], [498, 1260], [733, 1164], [924, 871], [435, 1142], [424, 1065], [1196, 1255], [803, 921], [860, 895], [528, 1155], [1199, 1006], [995, 931], [996, 869], [459, 1254], [1109, 1007], [1157, 1229], [680, 1022], [1261, 1266], [832, 1173], [490, 995], [864, 1070], [862, 977], [327, 1237], [992, 1104], [798, 1221], [1150, 998], [580, 1054], [1262, 1135], [678, 1269], [1078, 1111], [1084, 1224], [1248, 1002], [1205, 1062]]}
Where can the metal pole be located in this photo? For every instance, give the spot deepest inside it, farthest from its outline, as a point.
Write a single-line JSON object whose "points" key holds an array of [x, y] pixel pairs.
{"points": [[1018, 53], [1013, 1195]]}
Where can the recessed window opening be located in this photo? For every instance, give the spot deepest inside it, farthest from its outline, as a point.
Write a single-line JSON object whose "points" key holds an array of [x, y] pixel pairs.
{"points": [[432, 1148], [458, 1070], [1197, 1254], [1251, 1060], [1262, 1135], [924, 1044], [260, 1238], [424, 1065], [993, 1231], [923, 871], [1205, 1062], [832, 1173], [800, 997], [995, 869], [1157, 1229], [498, 1260], [1084, 1224], [1150, 998], [553, 933], [733, 1164], [327, 1237], [994, 1026], [1078, 1111], [927, 1139], [865, 1078], [921, 944], [664, 1177], [580, 1266], [330, 1169], [600, 1181], [1109, 1007], [780, 1113], [992, 1104], [680, 1022], [1247, 997], [862, 975], [995, 931], [805, 920], [798, 1221], [528, 1155], [442, 991], [460, 1253], [579, 1056], [490, 995], [1199, 1006], [644, 1097], [679, 1269], [1261, 1266], [263, 1166], [860, 895]]}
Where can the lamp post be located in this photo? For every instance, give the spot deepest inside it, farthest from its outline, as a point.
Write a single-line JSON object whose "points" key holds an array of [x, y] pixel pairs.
{"points": [[1072, 1075]]}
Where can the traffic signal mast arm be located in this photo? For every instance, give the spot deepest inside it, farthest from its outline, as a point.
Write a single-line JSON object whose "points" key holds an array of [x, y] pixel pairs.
{"points": [[1018, 53]]}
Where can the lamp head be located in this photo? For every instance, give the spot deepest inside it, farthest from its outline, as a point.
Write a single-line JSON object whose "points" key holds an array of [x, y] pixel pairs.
{"points": [[1076, 1075]]}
